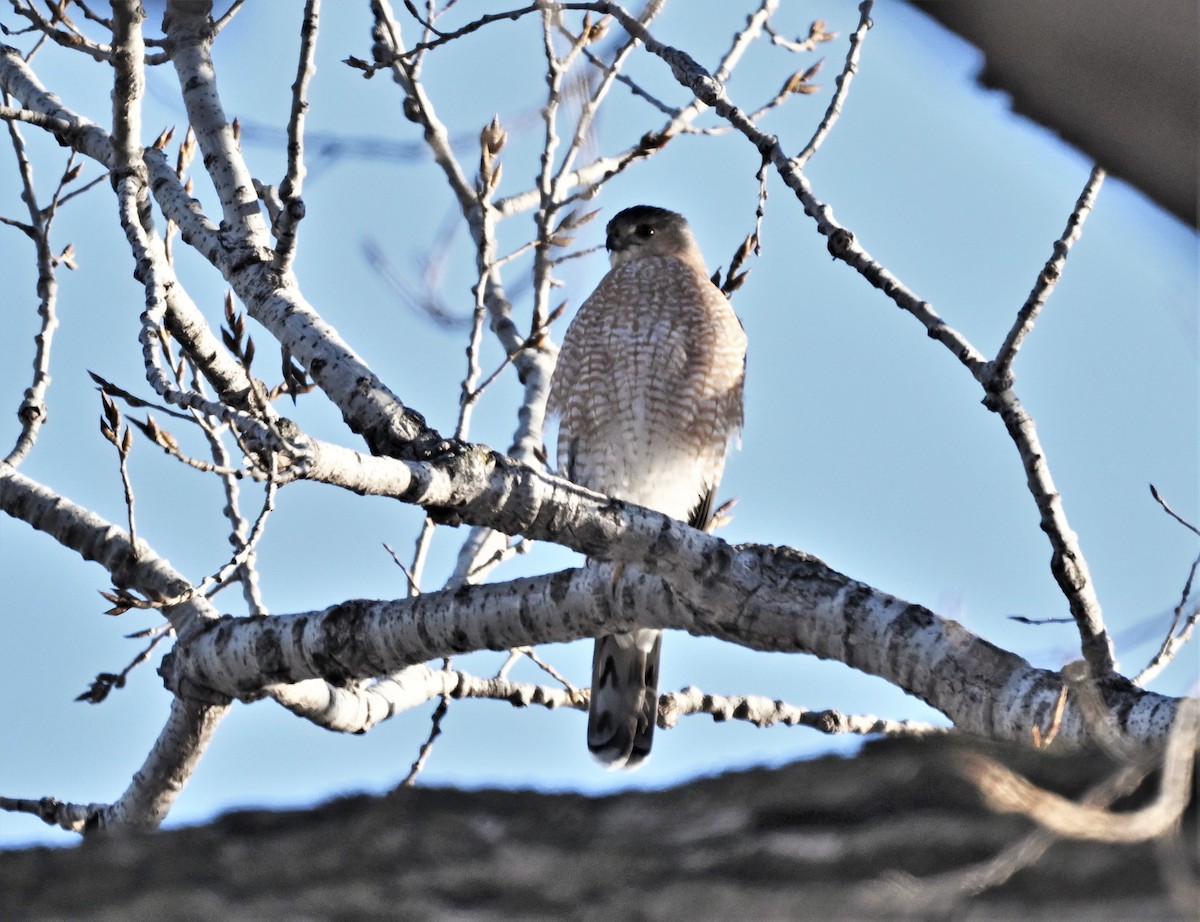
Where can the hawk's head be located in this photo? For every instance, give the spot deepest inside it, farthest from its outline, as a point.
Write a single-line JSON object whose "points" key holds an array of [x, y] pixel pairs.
{"points": [[645, 230]]}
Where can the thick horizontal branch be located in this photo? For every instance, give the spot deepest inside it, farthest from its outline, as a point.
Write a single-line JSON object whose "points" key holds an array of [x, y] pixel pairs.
{"points": [[760, 597]]}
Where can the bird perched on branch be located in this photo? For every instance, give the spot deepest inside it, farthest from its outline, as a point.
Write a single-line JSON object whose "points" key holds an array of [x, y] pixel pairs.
{"points": [[648, 388]]}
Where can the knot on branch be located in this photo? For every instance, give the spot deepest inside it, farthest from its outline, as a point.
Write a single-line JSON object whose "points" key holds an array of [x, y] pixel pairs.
{"points": [[840, 243], [31, 411], [173, 673], [464, 468], [653, 140], [996, 379], [401, 433], [766, 145], [1069, 568]]}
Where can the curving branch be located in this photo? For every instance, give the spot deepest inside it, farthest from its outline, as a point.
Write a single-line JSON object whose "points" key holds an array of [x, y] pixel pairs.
{"points": [[764, 598], [849, 69]]}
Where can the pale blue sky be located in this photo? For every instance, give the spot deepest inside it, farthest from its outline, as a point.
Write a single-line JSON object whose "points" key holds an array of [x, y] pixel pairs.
{"points": [[865, 441]]}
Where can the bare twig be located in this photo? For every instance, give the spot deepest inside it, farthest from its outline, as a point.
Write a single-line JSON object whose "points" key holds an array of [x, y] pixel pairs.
{"points": [[435, 730], [1067, 562], [70, 38], [110, 428], [106, 682], [33, 410], [816, 35], [531, 654], [1176, 635], [1171, 512], [602, 169], [610, 74], [358, 708], [292, 186], [1000, 376], [240, 529], [765, 712], [420, 556], [413, 588], [843, 86]]}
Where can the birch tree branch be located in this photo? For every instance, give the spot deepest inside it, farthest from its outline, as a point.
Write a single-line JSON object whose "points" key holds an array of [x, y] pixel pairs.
{"points": [[291, 189], [763, 598], [33, 409]]}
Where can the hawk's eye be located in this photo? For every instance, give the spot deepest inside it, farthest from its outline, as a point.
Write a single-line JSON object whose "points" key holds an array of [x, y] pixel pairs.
{"points": [[644, 231]]}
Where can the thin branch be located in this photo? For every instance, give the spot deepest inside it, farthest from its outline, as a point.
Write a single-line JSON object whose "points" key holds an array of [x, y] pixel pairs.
{"points": [[72, 38], [632, 85], [292, 186], [413, 587], [843, 86], [530, 653], [1001, 370], [485, 20], [1176, 636], [420, 556], [435, 730], [33, 410], [357, 709], [549, 192], [124, 445], [240, 533], [227, 17], [588, 178], [1171, 512], [491, 142], [244, 549], [1067, 563], [106, 682], [766, 712], [610, 73], [816, 35]]}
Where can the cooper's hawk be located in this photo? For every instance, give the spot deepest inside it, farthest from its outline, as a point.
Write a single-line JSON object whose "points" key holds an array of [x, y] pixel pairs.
{"points": [[649, 391]]}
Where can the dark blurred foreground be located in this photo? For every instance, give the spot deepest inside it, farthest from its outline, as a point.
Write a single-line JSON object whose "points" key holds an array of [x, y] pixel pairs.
{"points": [[873, 837]]}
